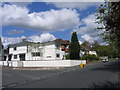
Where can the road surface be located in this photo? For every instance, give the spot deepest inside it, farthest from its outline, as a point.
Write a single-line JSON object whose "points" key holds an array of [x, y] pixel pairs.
{"points": [[74, 77]]}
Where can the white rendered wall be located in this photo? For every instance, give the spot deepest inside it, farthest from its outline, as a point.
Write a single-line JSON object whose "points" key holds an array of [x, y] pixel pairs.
{"points": [[4, 63], [58, 51], [54, 63], [82, 52], [48, 52], [19, 50], [51, 50], [90, 52], [1, 62], [93, 52], [46, 63], [33, 49]]}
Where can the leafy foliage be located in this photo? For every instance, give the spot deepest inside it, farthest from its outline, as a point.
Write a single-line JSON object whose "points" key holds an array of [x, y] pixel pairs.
{"points": [[108, 17], [85, 43], [106, 50], [89, 57], [67, 57]]}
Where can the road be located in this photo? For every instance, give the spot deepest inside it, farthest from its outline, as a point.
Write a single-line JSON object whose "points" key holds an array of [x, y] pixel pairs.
{"points": [[74, 77]]}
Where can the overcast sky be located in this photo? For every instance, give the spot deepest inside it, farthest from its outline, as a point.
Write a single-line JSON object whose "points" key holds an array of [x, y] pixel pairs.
{"points": [[46, 21]]}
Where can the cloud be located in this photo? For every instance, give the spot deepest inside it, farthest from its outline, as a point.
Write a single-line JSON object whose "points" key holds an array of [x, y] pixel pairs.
{"points": [[42, 38], [87, 30], [21, 4], [88, 38], [47, 21], [15, 32], [14, 15], [78, 5], [71, 0], [18, 3], [89, 26], [11, 40], [56, 0], [80, 42]]}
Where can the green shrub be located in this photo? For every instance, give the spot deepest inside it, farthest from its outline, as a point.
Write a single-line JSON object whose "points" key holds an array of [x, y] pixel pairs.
{"points": [[89, 57], [67, 57]]}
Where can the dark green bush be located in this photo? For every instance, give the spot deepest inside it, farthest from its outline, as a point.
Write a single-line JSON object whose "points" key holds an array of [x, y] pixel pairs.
{"points": [[89, 57], [67, 57]]}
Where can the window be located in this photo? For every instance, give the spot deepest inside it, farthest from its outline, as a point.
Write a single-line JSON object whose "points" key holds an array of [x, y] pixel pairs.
{"points": [[15, 56], [35, 54], [57, 55], [48, 56], [57, 46], [15, 48], [9, 57], [22, 57]]}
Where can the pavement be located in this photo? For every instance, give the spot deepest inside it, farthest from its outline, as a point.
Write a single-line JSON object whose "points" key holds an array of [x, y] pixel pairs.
{"points": [[74, 77]]}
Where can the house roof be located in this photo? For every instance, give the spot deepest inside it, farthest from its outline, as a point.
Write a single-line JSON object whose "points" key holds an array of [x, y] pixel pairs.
{"points": [[63, 41], [86, 48], [25, 43]]}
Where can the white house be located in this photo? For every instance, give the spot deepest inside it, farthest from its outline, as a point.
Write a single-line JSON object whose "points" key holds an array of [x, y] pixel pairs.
{"points": [[26, 51], [47, 54], [87, 50]]}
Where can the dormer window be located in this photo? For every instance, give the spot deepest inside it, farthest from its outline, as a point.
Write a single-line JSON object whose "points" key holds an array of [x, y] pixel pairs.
{"points": [[15, 48], [57, 46]]}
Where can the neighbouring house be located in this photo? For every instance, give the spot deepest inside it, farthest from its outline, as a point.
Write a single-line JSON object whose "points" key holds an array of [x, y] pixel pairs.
{"points": [[87, 50], [65, 46], [26, 51]]}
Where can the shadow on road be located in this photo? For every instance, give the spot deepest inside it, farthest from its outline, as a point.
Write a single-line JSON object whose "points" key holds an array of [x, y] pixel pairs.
{"points": [[112, 67], [105, 84], [109, 66]]}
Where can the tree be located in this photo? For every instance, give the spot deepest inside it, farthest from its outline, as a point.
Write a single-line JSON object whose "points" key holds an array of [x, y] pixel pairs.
{"points": [[74, 47], [85, 43], [108, 17], [95, 43], [105, 50]]}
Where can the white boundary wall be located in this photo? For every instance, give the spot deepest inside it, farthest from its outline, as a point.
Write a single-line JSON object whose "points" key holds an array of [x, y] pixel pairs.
{"points": [[54, 63]]}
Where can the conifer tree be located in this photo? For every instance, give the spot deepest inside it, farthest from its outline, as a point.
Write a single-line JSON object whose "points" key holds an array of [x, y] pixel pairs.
{"points": [[74, 47]]}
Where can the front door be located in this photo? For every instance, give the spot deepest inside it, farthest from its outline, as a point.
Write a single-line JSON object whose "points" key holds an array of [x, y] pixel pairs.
{"points": [[22, 57], [9, 57]]}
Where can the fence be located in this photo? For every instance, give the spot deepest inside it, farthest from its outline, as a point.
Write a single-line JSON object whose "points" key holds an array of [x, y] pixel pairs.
{"points": [[53, 63]]}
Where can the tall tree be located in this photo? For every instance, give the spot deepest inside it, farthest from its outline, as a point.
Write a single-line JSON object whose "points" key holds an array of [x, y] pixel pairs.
{"points": [[85, 43], [109, 17], [74, 47]]}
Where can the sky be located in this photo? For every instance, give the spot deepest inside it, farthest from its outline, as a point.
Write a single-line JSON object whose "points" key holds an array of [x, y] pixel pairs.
{"points": [[47, 21]]}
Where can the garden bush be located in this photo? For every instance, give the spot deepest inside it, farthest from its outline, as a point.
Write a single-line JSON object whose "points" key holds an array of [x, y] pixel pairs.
{"points": [[89, 57], [67, 57]]}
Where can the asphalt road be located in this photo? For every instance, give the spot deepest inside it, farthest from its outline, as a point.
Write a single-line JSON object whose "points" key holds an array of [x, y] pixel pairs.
{"points": [[74, 77]]}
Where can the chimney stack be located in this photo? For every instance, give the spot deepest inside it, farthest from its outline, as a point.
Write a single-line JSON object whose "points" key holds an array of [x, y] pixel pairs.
{"points": [[24, 40]]}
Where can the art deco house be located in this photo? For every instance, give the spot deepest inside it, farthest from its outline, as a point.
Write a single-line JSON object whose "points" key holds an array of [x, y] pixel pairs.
{"points": [[25, 50], [47, 54]]}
